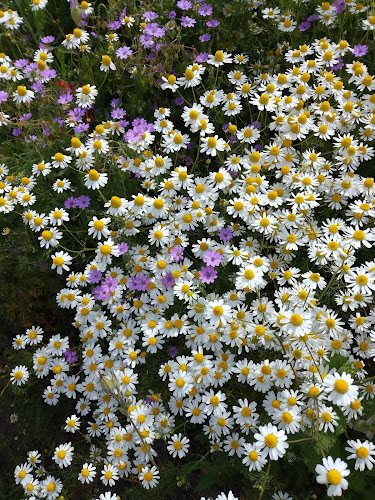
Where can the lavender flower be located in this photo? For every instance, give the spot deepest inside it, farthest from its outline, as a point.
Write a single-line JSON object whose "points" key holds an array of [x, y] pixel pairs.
{"points": [[205, 37], [83, 202], [212, 258], [124, 52], [205, 9], [150, 15], [70, 356], [305, 25], [48, 39], [184, 4], [3, 95], [95, 276], [213, 23], [168, 280], [173, 351], [202, 57], [339, 6], [207, 274], [360, 50], [177, 253], [69, 202], [226, 234], [187, 22], [122, 248]]}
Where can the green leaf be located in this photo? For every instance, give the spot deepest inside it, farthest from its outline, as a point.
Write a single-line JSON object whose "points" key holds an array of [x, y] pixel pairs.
{"points": [[327, 441], [337, 361], [357, 481], [342, 423]]}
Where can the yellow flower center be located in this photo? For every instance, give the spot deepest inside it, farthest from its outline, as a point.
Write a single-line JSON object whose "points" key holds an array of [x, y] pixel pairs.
{"points": [[341, 386]]}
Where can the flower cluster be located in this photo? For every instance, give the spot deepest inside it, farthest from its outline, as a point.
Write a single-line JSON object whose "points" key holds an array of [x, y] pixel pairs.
{"points": [[241, 267]]}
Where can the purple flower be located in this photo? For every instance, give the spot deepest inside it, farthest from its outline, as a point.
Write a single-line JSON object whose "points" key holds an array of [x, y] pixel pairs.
{"points": [[226, 234], [122, 248], [205, 37], [114, 25], [16, 132], [69, 202], [48, 39], [305, 25], [83, 202], [339, 65], [339, 6], [118, 113], [70, 356], [205, 9], [154, 30], [123, 14], [58, 120], [177, 253], [213, 23], [168, 280], [65, 99], [173, 351], [21, 63], [100, 293], [48, 74], [360, 50], [147, 41], [184, 4], [32, 138], [207, 274], [109, 285], [124, 52], [172, 14], [150, 15], [26, 117], [38, 87], [179, 101], [313, 17], [142, 282], [76, 113], [31, 67], [187, 22], [132, 283], [202, 57], [3, 95], [82, 127], [212, 258]]}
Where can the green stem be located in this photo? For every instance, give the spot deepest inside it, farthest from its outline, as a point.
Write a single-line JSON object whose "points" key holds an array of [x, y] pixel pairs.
{"points": [[2, 392]]}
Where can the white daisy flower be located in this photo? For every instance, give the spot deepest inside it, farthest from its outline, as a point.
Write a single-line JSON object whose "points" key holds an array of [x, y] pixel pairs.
{"points": [[272, 441], [333, 473], [340, 388], [363, 453], [63, 455], [149, 477], [19, 375], [178, 446]]}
